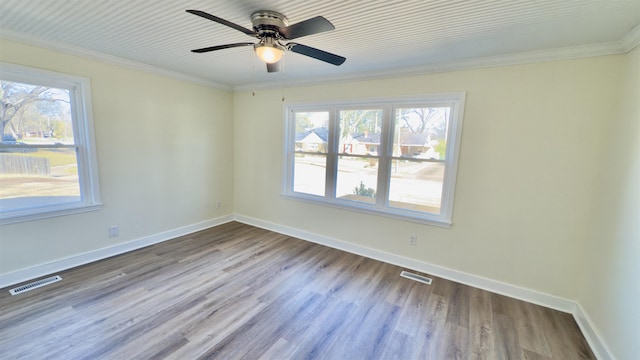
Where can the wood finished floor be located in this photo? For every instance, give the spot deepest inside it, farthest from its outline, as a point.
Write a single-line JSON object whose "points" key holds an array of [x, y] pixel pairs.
{"points": [[239, 292]]}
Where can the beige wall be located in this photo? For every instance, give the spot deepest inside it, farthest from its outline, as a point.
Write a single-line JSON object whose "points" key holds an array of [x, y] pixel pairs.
{"points": [[546, 199], [165, 156], [526, 175], [611, 289]]}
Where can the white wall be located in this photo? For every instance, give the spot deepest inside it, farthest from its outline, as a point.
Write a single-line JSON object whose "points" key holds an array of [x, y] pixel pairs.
{"points": [[165, 156], [611, 288], [526, 174]]}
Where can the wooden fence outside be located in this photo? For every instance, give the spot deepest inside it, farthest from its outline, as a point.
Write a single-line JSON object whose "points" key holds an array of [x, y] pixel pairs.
{"points": [[24, 165]]}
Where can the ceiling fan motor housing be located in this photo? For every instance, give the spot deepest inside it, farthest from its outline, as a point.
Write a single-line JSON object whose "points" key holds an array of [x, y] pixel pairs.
{"points": [[267, 22]]}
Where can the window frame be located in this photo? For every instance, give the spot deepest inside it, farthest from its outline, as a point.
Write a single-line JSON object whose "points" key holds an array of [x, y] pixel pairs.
{"points": [[84, 142], [455, 101]]}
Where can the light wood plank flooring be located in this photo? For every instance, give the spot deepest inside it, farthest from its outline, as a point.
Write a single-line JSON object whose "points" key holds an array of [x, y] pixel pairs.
{"points": [[239, 292]]}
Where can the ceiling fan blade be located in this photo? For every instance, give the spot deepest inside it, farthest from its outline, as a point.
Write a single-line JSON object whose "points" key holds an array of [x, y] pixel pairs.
{"points": [[220, 47], [314, 25], [222, 21], [275, 67], [316, 53]]}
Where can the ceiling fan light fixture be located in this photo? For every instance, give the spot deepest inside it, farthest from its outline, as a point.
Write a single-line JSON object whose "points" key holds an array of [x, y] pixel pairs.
{"points": [[269, 51]]}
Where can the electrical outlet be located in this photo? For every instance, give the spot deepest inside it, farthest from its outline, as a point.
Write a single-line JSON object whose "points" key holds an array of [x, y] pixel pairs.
{"points": [[114, 231], [413, 240]]}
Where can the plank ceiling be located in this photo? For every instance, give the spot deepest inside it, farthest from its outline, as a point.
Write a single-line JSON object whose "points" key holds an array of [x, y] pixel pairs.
{"points": [[378, 37]]}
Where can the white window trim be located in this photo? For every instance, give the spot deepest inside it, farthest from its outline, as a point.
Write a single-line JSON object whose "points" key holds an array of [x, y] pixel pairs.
{"points": [[444, 219], [84, 140]]}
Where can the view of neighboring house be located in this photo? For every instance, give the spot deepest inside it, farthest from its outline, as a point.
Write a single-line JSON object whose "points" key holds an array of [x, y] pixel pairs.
{"points": [[413, 145], [314, 140], [364, 143], [416, 145]]}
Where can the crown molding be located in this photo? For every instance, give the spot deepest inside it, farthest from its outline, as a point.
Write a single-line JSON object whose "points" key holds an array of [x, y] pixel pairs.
{"points": [[631, 39], [622, 46], [109, 59]]}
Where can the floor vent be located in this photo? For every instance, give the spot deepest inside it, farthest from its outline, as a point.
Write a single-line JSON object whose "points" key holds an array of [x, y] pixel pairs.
{"points": [[416, 277], [35, 285]]}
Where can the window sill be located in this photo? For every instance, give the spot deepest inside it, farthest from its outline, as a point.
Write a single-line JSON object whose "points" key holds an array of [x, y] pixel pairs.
{"points": [[48, 212], [400, 214]]}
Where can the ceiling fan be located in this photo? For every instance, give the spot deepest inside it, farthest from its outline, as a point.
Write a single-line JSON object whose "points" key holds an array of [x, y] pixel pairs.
{"points": [[272, 28]]}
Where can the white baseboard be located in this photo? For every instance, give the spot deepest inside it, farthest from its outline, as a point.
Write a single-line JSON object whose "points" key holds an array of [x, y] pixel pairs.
{"points": [[33, 272], [480, 282], [598, 346], [585, 323], [590, 333]]}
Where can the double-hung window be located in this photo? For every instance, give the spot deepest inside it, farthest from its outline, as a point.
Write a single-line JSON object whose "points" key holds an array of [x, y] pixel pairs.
{"points": [[394, 157], [47, 154]]}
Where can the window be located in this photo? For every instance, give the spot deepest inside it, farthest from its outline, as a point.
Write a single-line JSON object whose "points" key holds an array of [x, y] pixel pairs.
{"points": [[47, 157], [394, 157]]}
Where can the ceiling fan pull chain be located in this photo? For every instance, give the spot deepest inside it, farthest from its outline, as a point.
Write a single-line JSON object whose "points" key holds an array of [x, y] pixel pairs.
{"points": [[284, 67], [253, 73]]}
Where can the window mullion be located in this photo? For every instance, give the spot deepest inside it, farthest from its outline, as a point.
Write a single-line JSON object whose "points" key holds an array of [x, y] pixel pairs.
{"points": [[384, 158], [291, 151], [289, 147], [331, 174]]}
